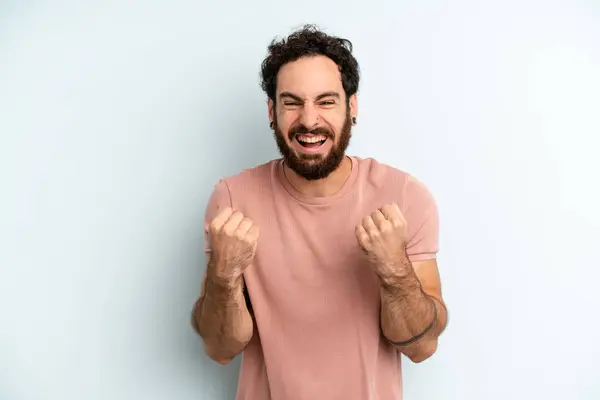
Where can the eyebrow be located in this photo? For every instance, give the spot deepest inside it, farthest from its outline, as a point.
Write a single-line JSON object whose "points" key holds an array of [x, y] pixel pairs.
{"points": [[319, 97]]}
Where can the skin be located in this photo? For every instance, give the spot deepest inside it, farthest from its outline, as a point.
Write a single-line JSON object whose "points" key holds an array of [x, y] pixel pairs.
{"points": [[221, 316], [411, 298], [310, 94]]}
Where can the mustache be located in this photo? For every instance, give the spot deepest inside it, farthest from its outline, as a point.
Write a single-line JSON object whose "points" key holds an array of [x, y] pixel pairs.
{"points": [[299, 129]]}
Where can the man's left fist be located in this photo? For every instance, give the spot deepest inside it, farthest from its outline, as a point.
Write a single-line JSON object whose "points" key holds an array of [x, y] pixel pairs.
{"points": [[382, 236]]}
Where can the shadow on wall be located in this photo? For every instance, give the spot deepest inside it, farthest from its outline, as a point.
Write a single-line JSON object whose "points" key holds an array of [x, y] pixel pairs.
{"points": [[235, 138]]}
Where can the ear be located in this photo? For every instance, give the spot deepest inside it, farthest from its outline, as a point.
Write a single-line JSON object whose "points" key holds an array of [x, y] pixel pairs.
{"points": [[271, 109], [353, 105]]}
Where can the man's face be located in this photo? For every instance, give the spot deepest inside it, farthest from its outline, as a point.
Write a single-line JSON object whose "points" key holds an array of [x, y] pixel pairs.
{"points": [[312, 119]]}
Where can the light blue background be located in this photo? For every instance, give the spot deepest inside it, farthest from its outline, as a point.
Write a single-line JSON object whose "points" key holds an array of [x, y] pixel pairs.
{"points": [[117, 118]]}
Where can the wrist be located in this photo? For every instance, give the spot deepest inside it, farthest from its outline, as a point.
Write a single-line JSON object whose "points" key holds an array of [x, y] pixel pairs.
{"points": [[223, 282], [401, 288], [398, 277]]}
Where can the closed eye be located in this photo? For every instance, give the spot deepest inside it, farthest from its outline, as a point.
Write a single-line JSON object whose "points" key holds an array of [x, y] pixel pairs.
{"points": [[327, 103]]}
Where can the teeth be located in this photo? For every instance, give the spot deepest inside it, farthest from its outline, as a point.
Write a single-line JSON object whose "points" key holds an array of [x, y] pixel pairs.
{"points": [[311, 139]]}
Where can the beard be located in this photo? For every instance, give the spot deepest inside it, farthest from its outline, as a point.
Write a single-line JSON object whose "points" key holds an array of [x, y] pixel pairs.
{"points": [[314, 166]]}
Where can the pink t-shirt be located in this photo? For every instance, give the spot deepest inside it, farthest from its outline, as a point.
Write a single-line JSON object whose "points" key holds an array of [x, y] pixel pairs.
{"points": [[315, 302]]}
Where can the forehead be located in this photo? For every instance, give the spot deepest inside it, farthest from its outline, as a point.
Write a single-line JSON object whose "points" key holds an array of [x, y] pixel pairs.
{"points": [[310, 76]]}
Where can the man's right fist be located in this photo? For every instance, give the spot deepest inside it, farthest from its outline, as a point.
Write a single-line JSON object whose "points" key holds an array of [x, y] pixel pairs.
{"points": [[233, 239]]}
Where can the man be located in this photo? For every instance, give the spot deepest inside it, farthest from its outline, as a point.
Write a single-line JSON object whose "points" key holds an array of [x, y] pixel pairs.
{"points": [[321, 266]]}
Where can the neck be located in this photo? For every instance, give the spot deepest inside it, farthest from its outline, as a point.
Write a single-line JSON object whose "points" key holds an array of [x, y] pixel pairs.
{"points": [[322, 187]]}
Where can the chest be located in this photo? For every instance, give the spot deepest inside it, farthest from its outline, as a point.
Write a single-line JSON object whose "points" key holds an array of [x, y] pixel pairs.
{"points": [[309, 263]]}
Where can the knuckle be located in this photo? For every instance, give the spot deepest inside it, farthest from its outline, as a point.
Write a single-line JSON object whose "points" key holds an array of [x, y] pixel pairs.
{"points": [[228, 230], [246, 221], [214, 226], [397, 223]]}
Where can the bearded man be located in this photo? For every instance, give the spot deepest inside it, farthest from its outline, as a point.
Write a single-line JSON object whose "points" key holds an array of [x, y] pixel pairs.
{"points": [[322, 266]]}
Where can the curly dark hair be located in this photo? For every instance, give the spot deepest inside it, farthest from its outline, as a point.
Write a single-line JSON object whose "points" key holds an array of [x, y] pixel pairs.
{"points": [[310, 41]]}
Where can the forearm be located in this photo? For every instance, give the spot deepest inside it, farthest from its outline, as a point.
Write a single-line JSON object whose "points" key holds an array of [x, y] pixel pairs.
{"points": [[411, 319], [222, 319]]}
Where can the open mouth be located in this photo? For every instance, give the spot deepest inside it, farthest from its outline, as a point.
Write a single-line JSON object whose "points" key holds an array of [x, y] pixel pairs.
{"points": [[311, 141]]}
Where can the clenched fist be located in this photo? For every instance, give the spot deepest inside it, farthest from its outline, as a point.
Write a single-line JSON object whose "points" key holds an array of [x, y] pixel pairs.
{"points": [[382, 235], [233, 240]]}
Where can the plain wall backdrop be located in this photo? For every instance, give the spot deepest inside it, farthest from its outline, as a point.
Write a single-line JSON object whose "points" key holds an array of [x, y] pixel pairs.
{"points": [[118, 117]]}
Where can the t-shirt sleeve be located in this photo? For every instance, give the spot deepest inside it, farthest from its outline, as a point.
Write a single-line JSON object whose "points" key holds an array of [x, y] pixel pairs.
{"points": [[219, 198], [421, 214]]}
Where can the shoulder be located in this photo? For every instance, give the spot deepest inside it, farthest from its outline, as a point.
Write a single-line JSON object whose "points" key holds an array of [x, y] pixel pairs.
{"points": [[376, 171], [401, 184], [244, 184], [251, 178]]}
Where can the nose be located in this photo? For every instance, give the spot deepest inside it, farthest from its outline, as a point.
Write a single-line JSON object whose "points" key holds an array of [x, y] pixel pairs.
{"points": [[309, 116]]}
